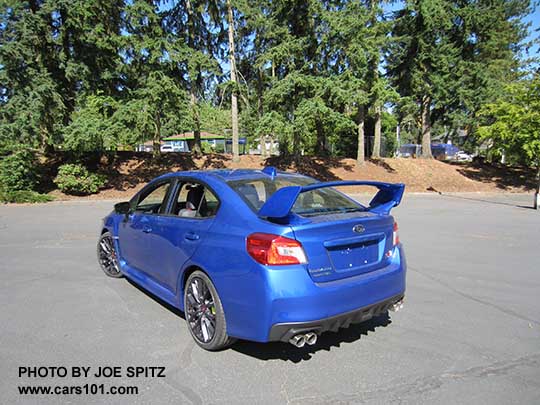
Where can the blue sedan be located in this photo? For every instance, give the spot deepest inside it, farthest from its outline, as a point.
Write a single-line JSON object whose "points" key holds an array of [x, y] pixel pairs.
{"points": [[259, 255]]}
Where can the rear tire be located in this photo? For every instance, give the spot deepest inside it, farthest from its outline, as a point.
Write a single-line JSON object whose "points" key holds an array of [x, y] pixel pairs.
{"points": [[204, 313], [107, 257]]}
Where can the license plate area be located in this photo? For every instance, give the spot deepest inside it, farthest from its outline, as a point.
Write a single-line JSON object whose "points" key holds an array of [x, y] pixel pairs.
{"points": [[353, 256]]}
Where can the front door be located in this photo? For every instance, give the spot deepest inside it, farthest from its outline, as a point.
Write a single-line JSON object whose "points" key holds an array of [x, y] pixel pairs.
{"points": [[138, 235]]}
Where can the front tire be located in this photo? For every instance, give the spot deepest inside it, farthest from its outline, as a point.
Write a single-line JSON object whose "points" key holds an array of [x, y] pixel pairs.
{"points": [[204, 313], [107, 257]]}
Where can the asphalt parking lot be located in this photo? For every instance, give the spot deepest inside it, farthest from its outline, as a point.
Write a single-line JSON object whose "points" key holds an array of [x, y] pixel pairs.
{"points": [[469, 332]]}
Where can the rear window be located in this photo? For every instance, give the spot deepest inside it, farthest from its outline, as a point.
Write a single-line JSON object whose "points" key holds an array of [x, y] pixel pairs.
{"points": [[255, 192]]}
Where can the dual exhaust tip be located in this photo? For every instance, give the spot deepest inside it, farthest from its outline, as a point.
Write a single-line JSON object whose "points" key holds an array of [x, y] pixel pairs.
{"points": [[300, 340], [397, 306], [310, 338]]}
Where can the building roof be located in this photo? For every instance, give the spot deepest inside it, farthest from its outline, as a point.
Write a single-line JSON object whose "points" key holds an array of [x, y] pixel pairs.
{"points": [[190, 136]]}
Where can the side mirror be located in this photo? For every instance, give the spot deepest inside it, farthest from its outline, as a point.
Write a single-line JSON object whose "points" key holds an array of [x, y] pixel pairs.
{"points": [[122, 208]]}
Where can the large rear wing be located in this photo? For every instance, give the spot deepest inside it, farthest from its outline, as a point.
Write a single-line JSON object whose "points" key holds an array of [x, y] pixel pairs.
{"points": [[280, 204]]}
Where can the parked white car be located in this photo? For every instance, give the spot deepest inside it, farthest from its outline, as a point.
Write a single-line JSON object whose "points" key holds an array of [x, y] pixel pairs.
{"points": [[463, 156]]}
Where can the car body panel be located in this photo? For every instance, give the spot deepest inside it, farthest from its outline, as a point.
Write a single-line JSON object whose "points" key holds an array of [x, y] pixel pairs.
{"points": [[254, 296]]}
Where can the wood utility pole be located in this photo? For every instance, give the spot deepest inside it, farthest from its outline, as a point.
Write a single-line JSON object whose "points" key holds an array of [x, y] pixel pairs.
{"points": [[234, 96]]}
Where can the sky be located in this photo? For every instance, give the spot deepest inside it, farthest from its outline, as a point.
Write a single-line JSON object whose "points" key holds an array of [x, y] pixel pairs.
{"points": [[534, 19]]}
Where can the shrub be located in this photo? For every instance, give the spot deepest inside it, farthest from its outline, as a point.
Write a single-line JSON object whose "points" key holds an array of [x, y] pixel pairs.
{"points": [[206, 147], [76, 179], [19, 171], [24, 196]]}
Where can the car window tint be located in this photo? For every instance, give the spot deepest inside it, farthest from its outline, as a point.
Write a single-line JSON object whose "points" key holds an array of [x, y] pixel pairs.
{"points": [[322, 201], [212, 202], [315, 202], [196, 201], [154, 201], [254, 192]]}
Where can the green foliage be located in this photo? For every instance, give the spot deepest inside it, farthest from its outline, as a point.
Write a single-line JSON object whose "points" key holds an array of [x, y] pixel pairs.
{"points": [[513, 122], [76, 179], [103, 75], [214, 119], [24, 196], [92, 127], [389, 123], [455, 56], [206, 147], [19, 171]]}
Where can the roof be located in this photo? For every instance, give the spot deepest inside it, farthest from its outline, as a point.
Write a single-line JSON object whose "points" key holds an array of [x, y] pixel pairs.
{"points": [[190, 136], [234, 174]]}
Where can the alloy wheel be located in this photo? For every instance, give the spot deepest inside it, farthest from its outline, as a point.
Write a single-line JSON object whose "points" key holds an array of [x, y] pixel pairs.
{"points": [[107, 256], [201, 310]]}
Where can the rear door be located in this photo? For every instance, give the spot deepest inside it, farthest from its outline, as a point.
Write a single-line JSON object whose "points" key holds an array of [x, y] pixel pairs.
{"points": [[182, 231]]}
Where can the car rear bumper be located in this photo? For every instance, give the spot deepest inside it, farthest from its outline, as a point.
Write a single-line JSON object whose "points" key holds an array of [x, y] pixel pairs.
{"points": [[284, 331], [263, 298], [297, 304]]}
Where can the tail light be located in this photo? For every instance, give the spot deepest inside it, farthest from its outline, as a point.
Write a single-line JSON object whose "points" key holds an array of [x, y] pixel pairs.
{"points": [[395, 239], [271, 249]]}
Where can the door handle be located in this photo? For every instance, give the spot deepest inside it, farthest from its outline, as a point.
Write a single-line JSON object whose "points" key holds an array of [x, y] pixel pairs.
{"points": [[146, 229], [191, 236]]}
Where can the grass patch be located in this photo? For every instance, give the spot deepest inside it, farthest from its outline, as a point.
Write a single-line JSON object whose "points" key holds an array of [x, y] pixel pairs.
{"points": [[24, 196]]}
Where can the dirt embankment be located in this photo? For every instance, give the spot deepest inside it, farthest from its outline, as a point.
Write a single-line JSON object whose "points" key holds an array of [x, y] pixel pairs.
{"points": [[127, 172]]}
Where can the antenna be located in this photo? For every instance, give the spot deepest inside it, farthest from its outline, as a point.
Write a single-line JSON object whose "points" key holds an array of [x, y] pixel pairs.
{"points": [[271, 171]]}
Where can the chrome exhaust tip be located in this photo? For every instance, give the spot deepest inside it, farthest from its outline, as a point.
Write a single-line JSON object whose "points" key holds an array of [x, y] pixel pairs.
{"points": [[397, 306], [311, 338], [298, 341]]}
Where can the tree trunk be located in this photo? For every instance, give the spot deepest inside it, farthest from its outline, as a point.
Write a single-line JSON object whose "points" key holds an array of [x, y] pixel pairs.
{"points": [[426, 128], [45, 145], [234, 96], [376, 154], [262, 144], [193, 85], [320, 147], [360, 158], [196, 149], [398, 139], [536, 204], [260, 111], [296, 143], [156, 147]]}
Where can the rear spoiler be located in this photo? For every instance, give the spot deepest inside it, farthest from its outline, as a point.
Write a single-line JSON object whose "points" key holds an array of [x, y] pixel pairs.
{"points": [[279, 205]]}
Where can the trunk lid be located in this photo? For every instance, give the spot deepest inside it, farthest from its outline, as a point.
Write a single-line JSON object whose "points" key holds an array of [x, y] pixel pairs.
{"points": [[345, 245]]}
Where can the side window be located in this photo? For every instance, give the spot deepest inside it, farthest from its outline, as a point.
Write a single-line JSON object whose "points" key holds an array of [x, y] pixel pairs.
{"points": [[254, 192], [196, 201], [154, 201]]}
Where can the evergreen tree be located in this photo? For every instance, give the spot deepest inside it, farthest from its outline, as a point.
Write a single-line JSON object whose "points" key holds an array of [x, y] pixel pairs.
{"points": [[50, 53], [197, 24]]}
